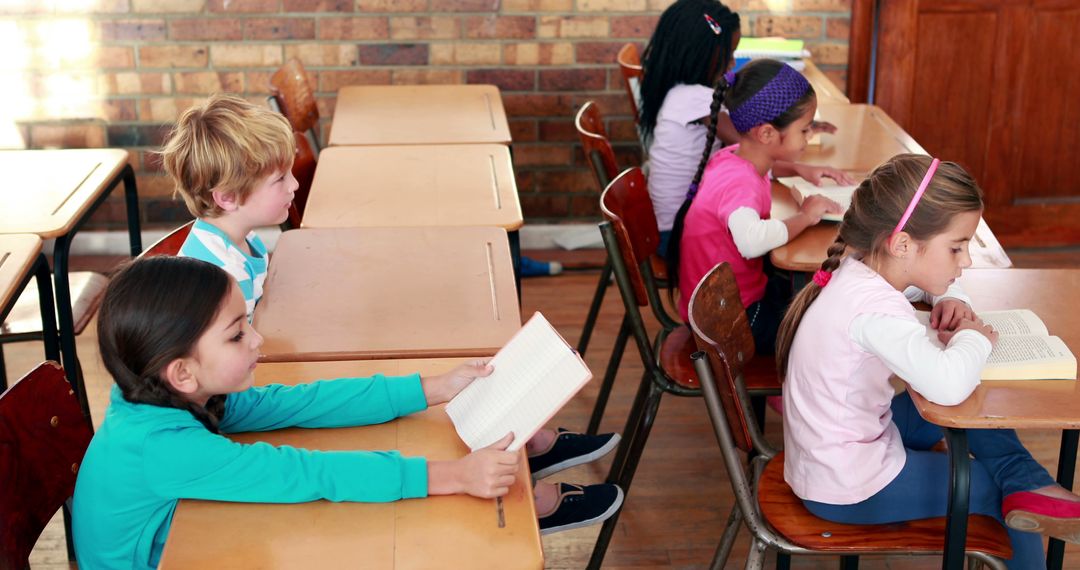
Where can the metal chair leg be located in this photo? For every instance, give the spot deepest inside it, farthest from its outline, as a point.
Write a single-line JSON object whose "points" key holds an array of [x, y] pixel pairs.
{"points": [[594, 308], [630, 431], [755, 559], [609, 377], [727, 540], [849, 563]]}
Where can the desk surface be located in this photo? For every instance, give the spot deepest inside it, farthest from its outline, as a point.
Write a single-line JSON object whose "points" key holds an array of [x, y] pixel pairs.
{"points": [[827, 91], [46, 191], [17, 255], [371, 293], [414, 185], [457, 531], [865, 137], [1053, 294], [806, 252], [419, 114]]}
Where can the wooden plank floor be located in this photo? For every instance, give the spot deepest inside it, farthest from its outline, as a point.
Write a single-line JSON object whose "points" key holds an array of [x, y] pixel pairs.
{"points": [[680, 499]]}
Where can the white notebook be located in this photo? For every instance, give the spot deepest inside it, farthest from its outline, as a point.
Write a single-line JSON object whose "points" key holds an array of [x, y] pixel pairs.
{"points": [[838, 193], [535, 374]]}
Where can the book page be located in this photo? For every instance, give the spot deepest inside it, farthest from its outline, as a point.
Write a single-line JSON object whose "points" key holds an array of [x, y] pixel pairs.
{"points": [[1015, 322], [535, 374], [841, 194]]}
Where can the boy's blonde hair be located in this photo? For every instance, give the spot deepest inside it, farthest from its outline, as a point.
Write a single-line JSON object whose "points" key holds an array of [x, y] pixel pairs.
{"points": [[226, 144]]}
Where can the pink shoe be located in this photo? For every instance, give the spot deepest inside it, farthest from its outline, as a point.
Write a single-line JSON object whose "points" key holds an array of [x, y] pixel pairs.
{"points": [[1033, 512]]}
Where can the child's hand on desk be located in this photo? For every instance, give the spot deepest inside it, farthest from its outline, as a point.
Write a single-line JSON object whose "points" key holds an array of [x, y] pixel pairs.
{"points": [[443, 388], [815, 206], [822, 127], [976, 325], [484, 473], [947, 314], [814, 174]]}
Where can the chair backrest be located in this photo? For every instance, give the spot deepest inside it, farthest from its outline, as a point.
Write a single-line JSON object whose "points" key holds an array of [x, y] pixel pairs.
{"points": [[630, 66], [43, 437], [626, 204], [171, 243], [303, 170], [296, 98], [722, 331], [594, 141]]}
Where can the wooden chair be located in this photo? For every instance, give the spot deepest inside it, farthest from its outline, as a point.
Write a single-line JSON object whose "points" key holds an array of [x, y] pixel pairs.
{"points": [[775, 517], [304, 171], [43, 436], [171, 243], [292, 93], [630, 67]]}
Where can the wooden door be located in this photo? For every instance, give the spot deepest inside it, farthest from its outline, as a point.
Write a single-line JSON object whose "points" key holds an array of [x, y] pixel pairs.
{"points": [[994, 85]]}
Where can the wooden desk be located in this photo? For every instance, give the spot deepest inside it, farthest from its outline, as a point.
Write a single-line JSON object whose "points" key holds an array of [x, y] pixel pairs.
{"points": [[805, 253], [1033, 404], [827, 91], [52, 193], [21, 259], [446, 532], [419, 114], [865, 137], [417, 185], [371, 293]]}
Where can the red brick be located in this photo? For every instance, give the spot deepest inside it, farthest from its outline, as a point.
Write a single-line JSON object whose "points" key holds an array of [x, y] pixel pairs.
{"points": [[829, 54], [217, 29], [612, 104], [822, 6], [392, 6], [505, 79], [114, 57], [464, 6], [542, 155], [393, 54], [584, 206], [207, 82], [558, 130], [113, 110], [167, 6], [626, 154], [133, 83], [523, 130], [317, 6], [592, 79], [245, 55], [537, 105], [622, 130], [371, 28], [323, 54], [531, 53], [566, 181], [420, 76], [544, 206], [526, 181], [259, 82], [838, 28], [279, 29], [81, 134], [633, 26], [331, 81], [788, 26], [424, 28], [574, 27], [245, 6], [597, 52], [511, 27], [130, 30], [511, 6], [173, 55], [611, 5]]}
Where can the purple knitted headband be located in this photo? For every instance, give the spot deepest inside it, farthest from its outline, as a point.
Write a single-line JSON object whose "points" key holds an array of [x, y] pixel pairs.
{"points": [[778, 95]]}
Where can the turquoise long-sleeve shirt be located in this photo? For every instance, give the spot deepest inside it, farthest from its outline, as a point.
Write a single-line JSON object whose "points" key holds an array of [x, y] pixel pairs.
{"points": [[145, 458]]}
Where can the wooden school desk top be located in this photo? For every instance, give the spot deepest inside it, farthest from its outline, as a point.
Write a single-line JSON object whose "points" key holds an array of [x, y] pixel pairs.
{"points": [[370, 293], [46, 191], [865, 137], [827, 92], [414, 185], [419, 114], [449, 531], [1053, 294], [806, 252], [18, 252]]}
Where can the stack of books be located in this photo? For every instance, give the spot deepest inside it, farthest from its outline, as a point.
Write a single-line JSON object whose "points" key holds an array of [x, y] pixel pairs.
{"points": [[791, 52]]}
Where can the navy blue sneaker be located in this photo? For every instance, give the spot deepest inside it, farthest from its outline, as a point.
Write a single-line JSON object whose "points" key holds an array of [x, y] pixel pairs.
{"points": [[533, 268], [582, 505], [570, 449]]}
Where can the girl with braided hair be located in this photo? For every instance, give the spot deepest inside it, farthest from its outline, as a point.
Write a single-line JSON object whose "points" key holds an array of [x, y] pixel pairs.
{"points": [[771, 107], [857, 453], [173, 333], [692, 46]]}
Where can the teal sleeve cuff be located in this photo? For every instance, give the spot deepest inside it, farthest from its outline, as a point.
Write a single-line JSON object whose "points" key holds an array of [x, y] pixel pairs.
{"points": [[414, 478], [406, 394]]}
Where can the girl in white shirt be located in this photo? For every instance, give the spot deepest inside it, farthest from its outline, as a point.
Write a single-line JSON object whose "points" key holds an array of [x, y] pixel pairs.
{"points": [[854, 452]]}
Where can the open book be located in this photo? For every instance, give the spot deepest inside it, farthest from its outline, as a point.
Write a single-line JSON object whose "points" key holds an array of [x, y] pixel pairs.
{"points": [[535, 374], [830, 189], [1024, 351], [772, 48]]}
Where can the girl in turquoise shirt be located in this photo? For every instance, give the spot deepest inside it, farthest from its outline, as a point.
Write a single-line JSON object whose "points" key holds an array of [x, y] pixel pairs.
{"points": [[174, 335]]}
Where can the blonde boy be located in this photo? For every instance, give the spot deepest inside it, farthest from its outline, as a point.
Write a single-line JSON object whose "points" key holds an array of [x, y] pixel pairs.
{"points": [[231, 162]]}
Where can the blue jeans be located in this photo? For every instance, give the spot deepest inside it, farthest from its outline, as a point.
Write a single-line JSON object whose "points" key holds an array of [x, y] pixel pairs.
{"points": [[1001, 466], [661, 248]]}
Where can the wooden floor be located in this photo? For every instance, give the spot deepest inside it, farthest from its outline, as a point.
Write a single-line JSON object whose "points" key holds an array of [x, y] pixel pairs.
{"points": [[681, 497]]}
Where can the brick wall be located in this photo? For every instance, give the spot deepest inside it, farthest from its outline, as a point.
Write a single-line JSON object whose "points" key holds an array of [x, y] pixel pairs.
{"points": [[116, 72]]}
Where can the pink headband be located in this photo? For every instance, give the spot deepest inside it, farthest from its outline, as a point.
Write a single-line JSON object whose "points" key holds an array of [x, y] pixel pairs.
{"points": [[918, 195]]}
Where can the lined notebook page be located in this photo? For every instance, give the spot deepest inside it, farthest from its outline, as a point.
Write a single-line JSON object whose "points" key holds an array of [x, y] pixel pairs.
{"points": [[535, 374]]}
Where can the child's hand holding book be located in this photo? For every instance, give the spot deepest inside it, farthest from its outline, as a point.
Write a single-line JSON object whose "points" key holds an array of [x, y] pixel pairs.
{"points": [[442, 388], [486, 473]]}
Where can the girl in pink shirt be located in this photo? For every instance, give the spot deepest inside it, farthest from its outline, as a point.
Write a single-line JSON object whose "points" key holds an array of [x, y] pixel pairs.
{"points": [[727, 219], [855, 452]]}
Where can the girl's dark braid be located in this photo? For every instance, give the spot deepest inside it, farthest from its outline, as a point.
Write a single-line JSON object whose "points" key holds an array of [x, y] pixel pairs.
{"points": [[155, 392]]}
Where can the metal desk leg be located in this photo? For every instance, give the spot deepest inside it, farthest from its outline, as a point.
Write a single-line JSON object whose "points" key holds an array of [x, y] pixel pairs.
{"points": [[131, 197], [67, 321], [515, 258], [48, 308], [1055, 549], [959, 494]]}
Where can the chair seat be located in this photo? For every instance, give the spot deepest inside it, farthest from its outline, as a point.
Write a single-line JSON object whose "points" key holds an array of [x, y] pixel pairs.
{"points": [[760, 375], [675, 351], [24, 320], [786, 513], [659, 267]]}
